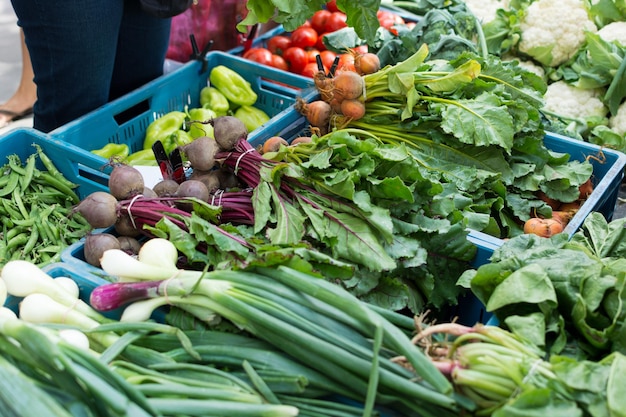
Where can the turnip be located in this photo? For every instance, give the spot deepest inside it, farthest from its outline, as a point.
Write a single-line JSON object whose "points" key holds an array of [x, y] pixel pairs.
{"points": [[228, 130], [124, 226], [367, 63], [149, 192], [273, 144], [129, 244], [317, 113], [165, 188], [201, 152], [125, 182], [348, 85], [209, 178], [228, 179], [194, 189], [99, 209], [96, 244]]}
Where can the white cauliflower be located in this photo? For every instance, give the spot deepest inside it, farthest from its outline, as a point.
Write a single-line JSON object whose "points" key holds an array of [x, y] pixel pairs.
{"points": [[569, 101], [614, 32], [553, 31], [528, 65], [617, 121], [485, 10]]}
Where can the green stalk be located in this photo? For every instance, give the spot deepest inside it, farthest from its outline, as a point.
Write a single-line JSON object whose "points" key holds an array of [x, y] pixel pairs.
{"points": [[328, 292], [329, 358], [168, 389], [215, 408]]}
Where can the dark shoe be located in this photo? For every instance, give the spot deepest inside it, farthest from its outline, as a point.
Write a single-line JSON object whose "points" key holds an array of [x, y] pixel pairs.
{"points": [[15, 116]]}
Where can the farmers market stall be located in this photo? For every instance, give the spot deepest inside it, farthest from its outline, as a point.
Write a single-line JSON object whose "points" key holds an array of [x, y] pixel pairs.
{"points": [[371, 210]]}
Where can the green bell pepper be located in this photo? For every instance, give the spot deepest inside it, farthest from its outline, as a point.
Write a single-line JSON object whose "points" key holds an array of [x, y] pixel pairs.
{"points": [[212, 98], [234, 87], [179, 138], [251, 117], [163, 127], [196, 118], [112, 150], [142, 157]]}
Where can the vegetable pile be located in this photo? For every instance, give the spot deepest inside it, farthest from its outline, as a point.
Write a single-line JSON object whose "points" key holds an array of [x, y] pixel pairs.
{"points": [[343, 347], [38, 221]]}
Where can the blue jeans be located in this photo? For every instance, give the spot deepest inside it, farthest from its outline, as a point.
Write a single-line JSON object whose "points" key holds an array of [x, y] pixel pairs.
{"points": [[88, 52]]}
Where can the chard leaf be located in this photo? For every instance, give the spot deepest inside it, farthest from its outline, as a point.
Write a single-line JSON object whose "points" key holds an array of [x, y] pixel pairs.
{"points": [[289, 221], [452, 80], [482, 121], [529, 284], [261, 198], [349, 237]]}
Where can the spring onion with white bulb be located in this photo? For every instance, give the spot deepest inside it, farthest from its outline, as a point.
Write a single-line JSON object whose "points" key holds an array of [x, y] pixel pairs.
{"points": [[309, 318]]}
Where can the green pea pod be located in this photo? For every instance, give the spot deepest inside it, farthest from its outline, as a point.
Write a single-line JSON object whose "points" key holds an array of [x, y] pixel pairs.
{"points": [[252, 117], [142, 157], [234, 87], [163, 127], [212, 98], [196, 118], [111, 150]]}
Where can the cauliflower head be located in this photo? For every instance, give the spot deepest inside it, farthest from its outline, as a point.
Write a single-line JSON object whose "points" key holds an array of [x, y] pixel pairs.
{"points": [[553, 31], [485, 10], [617, 121], [614, 32], [569, 101]]}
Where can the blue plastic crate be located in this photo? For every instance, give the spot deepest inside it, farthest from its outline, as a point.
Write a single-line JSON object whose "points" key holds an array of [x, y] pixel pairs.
{"points": [[608, 173], [71, 164], [125, 120]]}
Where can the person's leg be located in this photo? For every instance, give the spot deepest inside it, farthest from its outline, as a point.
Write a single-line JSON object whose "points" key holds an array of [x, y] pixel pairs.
{"points": [[141, 49], [72, 46], [21, 103]]}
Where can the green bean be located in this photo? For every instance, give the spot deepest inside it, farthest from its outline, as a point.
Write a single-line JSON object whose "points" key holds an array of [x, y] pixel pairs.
{"points": [[52, 169], [17, 198], [12, 182], [48, 179], [31, 242], [29, 171], [18, 240], [12, 212]]}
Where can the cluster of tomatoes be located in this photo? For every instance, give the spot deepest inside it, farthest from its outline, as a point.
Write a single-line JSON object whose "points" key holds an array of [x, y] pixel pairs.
{"points": [[297, 51]]}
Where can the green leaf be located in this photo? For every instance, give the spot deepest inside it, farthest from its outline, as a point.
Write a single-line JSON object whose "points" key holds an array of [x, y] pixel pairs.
{"points": [[529, 284], [616, 400], [289, 221], [482, 121], [539, 402], [362, 17]]}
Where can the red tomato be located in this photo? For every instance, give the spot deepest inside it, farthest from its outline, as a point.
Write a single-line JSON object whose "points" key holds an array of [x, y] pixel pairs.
{"points": [[387, 19], [277, 44], [320, 42], [304, 37], [296, 58], [259, 55], [332, 6], [336, 21], [318, 20], [311, 69], [279, 62], [312, 54], [346, 62], [328, 57]]}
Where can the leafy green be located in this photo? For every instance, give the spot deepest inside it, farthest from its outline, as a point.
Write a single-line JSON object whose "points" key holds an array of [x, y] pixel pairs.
{"points": [[576, 286]]}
